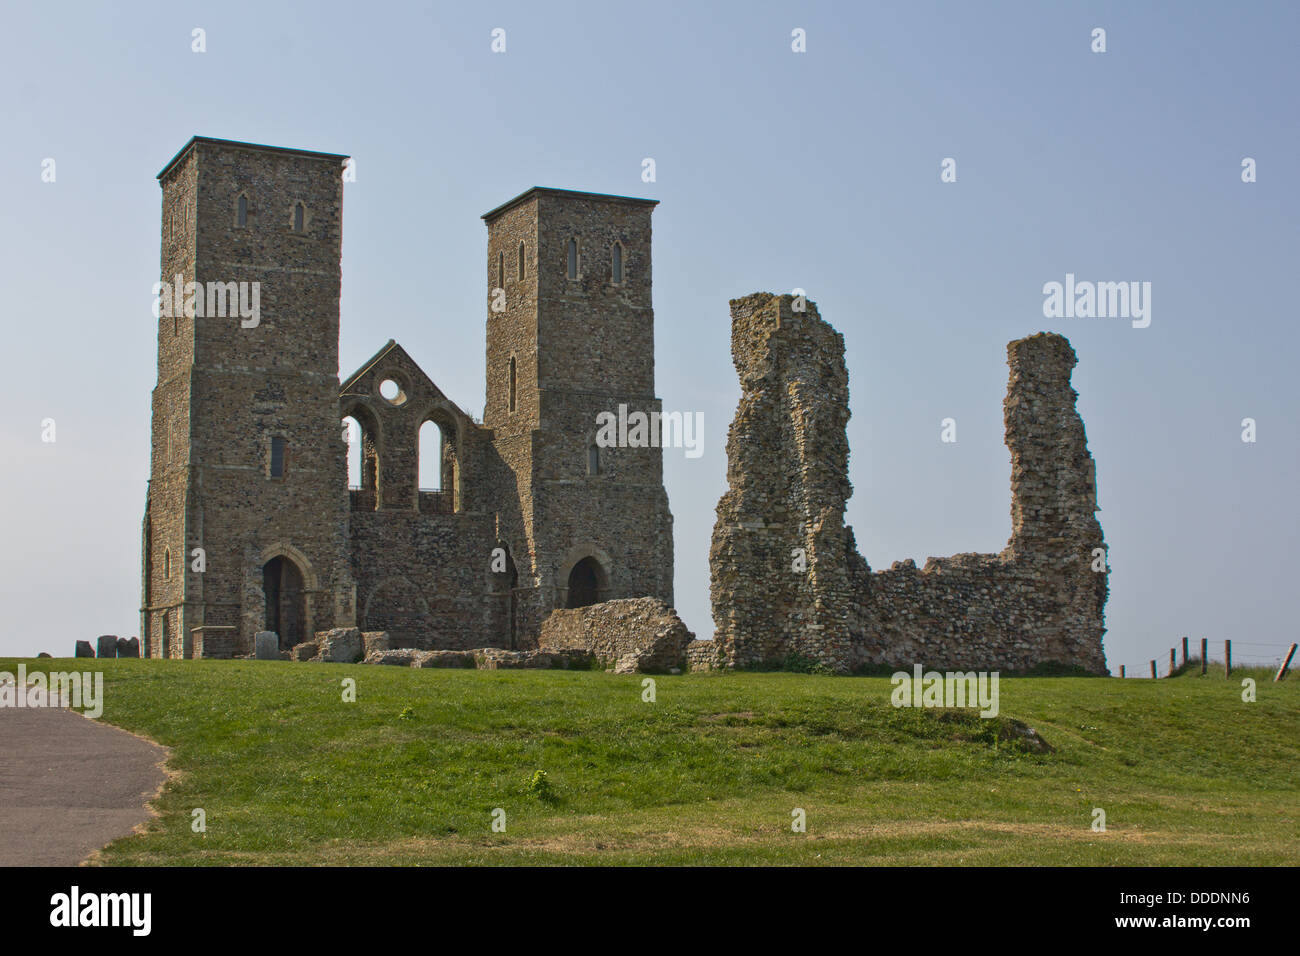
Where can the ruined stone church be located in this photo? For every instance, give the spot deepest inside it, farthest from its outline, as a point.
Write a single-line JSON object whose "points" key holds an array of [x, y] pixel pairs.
{"points": [[250, 524], [253, 535]]}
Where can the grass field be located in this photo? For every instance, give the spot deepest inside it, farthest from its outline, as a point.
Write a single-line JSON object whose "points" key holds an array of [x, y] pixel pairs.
{"points": [[709, 773]]}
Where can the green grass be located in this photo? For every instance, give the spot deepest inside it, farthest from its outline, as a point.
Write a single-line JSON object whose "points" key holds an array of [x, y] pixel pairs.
{"points": [[708, 774]]}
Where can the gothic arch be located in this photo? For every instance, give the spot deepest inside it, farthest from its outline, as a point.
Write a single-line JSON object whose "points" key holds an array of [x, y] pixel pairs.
{"points": [[282, 549], [450, 428], [360, 408], [599, 561], [295, 611], [372, 443], [445, 417]]}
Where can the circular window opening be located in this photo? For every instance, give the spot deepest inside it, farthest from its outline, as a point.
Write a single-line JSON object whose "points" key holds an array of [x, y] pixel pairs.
{"points": [[392, 392]]}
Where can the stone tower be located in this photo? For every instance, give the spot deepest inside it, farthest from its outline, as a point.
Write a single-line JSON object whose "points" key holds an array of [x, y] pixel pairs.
{"points": [[245, 523], [570, 335]]}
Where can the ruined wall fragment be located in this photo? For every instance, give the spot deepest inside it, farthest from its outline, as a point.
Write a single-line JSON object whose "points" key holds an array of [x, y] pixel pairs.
{"points": [[779, 575], [1041, 601]]}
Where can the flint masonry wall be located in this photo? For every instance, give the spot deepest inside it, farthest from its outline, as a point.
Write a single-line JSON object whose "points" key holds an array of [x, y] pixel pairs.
{"points": [[1037, 602]]}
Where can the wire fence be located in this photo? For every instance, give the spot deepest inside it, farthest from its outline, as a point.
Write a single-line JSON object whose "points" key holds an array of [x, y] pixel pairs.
{"points": [[1235, 655]]}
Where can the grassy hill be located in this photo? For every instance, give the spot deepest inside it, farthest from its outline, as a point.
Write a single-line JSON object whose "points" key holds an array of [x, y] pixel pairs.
{"points": [[709, 773]]}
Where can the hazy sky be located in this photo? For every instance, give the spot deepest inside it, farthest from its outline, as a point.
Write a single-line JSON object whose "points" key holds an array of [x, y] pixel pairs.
{"points": [[775, 170]]}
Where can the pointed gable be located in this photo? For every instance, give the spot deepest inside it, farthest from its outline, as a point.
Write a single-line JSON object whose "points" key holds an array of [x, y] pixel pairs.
{"points": [[417, 390]]}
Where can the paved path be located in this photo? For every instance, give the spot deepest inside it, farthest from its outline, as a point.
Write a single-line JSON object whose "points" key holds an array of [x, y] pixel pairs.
{"points": [[69, 785]]}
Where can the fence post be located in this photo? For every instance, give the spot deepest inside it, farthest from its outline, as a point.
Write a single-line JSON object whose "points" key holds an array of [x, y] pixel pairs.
{"points": [[1281, 671], [1173, 662], [1184, 650], [1153, 668], [1121, 670], [1205, 654], [1227, 658]]}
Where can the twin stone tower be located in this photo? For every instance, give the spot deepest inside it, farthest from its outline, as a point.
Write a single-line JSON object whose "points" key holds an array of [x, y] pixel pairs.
{"points": [[250, 457], [250, 524]]}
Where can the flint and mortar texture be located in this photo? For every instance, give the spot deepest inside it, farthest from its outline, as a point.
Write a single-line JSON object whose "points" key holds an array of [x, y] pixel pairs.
{"points": [[786, 577]]}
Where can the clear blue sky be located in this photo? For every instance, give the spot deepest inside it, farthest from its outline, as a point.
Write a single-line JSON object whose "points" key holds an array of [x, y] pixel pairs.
{"points": [[775, 170]]}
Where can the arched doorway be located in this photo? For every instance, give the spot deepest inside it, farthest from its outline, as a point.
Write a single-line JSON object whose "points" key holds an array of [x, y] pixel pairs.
{"points": [[584, 584], [285, 608]]}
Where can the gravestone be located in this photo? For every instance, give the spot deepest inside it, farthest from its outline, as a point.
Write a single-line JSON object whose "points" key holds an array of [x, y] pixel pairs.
{"points": [[107, 646], [128, 648], [84, 649], [267, 646]]}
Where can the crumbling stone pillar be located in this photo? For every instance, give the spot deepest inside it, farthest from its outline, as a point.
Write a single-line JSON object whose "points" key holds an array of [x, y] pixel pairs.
{"points": [[778, 567], [1053, 483], [1056, 540]]}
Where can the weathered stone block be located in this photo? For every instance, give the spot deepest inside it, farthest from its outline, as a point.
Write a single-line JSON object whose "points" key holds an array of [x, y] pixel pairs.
{"points": [[340, 645], [128, 647], [373, 641], [107, 646], [644, 634], [305, 651], [627, 664], [494, 658], [444, 659], [84, 649], [398, 657]]}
